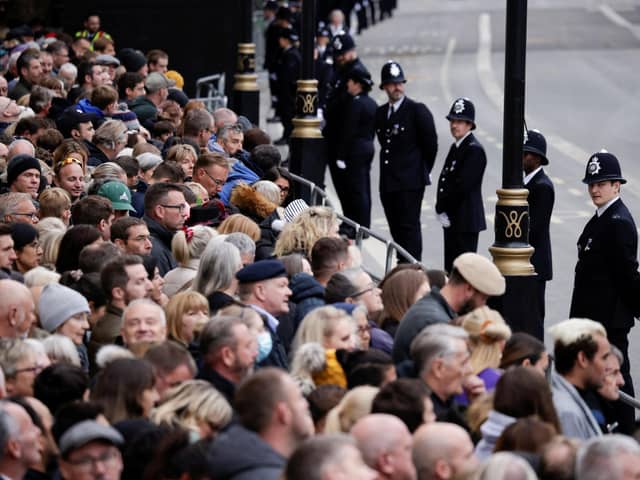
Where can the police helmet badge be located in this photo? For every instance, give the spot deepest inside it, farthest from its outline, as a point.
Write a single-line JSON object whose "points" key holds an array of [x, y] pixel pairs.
{"points": [[458, 107], [594, 166], [394, 70], [337, 44]]}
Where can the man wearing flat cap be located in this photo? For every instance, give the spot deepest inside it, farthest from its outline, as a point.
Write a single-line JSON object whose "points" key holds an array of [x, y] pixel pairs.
{"points": [[146, 106], [541, 198], [264, 286], [472, 281], [90, 447], [408, 147]]}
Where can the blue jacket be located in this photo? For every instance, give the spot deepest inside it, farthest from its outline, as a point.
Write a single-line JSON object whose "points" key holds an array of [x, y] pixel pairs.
{"points": [[239, 173]]}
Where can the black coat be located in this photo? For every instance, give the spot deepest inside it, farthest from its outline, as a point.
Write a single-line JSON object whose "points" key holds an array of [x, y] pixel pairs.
{"points": [[338, 99], [356, 142], [409, 144], [607, 283], [288, 72], [541, 198], [460, 186]]}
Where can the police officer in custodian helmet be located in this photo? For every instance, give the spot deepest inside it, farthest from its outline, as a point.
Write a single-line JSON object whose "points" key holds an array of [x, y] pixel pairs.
{"points": [[607, 283], [408, 147]]}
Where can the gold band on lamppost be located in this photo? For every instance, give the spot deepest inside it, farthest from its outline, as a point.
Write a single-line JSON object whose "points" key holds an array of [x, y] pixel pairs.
{"points": [[306, 123], [511, 251], [246, 79]]}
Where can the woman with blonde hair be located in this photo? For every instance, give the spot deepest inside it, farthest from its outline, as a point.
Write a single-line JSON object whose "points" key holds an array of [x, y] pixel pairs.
{"points": [[185, 156], [187, 246], [329, 326], [50, 243], [186, 312], [240, 223], [353, 406], [195, 406], [309, 226], [488, 334]]}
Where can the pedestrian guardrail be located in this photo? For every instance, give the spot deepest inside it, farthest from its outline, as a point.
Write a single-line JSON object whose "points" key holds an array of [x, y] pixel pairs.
{"points": [[629, 400], [210, 91], [319, 197]]}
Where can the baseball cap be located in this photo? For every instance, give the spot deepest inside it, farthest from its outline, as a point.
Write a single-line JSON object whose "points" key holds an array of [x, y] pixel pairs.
{"points": [[119, 195], [155, 81]]}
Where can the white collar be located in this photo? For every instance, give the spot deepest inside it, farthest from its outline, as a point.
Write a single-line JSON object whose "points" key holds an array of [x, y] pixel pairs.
{"points": [[273, 321], [603, 208], [459, 142], [527, 178], [395, 106]]}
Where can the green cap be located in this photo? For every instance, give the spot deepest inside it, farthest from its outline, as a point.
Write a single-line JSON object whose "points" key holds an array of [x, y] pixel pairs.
{"points": [[119, 195]]}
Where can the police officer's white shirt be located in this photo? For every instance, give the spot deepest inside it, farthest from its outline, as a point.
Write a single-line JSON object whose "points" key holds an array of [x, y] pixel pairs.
{"points": [[602, 209], [393, 107], [527, 178], [459, 142]]}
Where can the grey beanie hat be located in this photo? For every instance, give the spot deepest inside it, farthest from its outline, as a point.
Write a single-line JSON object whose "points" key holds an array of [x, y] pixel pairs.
{"points": [[148, 160], [58, 304]]}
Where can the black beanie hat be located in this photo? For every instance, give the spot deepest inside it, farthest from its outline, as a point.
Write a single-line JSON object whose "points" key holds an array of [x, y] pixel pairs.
{"points": [[23, 234], [19, 164]]}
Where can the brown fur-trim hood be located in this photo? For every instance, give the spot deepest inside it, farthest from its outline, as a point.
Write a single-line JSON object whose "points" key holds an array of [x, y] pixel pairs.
{"points": [[250, 202]]}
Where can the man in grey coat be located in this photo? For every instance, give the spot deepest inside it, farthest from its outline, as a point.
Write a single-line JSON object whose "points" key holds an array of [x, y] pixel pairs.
{"points": [[581, 350]]}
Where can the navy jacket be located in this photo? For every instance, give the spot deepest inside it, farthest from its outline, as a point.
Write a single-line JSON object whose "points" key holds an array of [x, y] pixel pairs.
{"points": [[607, 283], [541, 199], [460, 186], [408, 146], [356, 142], [161, 245]]}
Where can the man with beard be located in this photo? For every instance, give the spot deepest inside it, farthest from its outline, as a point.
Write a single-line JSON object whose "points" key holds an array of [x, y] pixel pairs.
{"points": [[123, 280], [274, 420], [345, 59], [229, 351], [408, 147], [473, 280], [581, 351]]}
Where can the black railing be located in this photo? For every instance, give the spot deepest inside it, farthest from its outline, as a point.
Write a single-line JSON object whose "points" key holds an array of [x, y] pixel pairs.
{"points": [[319, 197]]}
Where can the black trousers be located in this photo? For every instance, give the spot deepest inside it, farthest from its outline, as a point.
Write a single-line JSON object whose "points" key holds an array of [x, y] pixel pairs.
{"points": [[457, 243], [542, 286], [353, 186], [626, 414], [402, 210]]}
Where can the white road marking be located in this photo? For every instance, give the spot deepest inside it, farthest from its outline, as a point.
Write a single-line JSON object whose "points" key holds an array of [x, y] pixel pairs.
{"points": [[575, 191], [444, 70], [619, 20]]}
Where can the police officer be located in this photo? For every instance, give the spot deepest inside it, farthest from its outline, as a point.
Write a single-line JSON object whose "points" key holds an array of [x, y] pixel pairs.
{"points": [[272, 54], [459, 196], [288, 73], [345, 58], [607, 283], [541, 198], [409, 144], [351, 171]]}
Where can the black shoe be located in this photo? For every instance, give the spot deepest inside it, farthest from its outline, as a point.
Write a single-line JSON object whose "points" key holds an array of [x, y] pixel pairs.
{"points": [[282, 141], [274, 119]]}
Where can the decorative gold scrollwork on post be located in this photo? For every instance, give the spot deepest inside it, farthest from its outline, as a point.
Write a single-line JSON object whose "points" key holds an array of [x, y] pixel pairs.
{"points": [[513, 228], [308, 102]]}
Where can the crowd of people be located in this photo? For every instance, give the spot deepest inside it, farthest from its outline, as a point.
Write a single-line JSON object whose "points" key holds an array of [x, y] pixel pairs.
{"points": [[168, 309]]}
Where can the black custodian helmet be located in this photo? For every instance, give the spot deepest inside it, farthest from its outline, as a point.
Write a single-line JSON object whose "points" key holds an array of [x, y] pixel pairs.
{"points": [[463, 109], [535, 143], [391, 73], [603, 166]]}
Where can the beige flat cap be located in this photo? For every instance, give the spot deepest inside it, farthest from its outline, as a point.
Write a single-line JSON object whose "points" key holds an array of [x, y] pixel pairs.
{"points": [[480, 273]]}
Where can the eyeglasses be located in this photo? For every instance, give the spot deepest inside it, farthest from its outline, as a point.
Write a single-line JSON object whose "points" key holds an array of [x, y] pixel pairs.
{"points": [[32, 216], [370, 287], [283, 189], [364, 328], [219, 183], [35, 369], [181, 208], [88, 464]]}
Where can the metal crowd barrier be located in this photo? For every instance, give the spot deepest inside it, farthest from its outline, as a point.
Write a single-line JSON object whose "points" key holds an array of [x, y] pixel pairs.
{"points": [[319, 197], [210, 91], [629, 400]]}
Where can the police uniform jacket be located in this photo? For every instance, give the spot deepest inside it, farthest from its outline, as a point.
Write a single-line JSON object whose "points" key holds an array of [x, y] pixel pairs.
{"points": [[356, 143], [408, 143], [541, 198], [460, 186], [607, 283], [288, 71], [338, 100]]}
